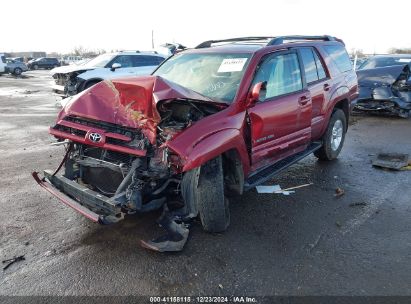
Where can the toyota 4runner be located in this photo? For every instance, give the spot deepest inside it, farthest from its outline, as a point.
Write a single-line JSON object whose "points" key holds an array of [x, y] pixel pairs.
{"points": [[209, 123]]}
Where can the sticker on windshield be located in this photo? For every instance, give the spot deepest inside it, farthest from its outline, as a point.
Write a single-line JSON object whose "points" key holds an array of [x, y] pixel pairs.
{"points": [[232, 65], [404, 60]]}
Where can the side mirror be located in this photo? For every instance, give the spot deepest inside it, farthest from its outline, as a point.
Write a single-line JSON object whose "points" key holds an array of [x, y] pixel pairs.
{"points": [[254, 95], [115, 66]]}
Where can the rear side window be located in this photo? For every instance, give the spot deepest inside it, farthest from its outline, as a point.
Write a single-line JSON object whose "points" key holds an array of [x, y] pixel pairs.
{"points": [[3, 59], [339, 56], [320, 67], [313, 67], [310, 67], [143, 60], [282, 75]]}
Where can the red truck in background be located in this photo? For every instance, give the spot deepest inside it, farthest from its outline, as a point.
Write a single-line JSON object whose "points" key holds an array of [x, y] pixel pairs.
{"points": [[209, 123]]}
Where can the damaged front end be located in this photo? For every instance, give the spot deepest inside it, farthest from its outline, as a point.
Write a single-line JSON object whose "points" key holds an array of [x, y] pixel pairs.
{"points": [[118, 161], [68, 83], [386, 90]]}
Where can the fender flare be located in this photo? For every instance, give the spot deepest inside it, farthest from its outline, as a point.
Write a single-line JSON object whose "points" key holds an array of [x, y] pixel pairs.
{"points": [[214, 145], [85, 82]]}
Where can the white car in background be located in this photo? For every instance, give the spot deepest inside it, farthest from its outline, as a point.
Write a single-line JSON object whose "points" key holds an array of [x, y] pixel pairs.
{"points": [[70, 80], [3, 64], [68, 60]]}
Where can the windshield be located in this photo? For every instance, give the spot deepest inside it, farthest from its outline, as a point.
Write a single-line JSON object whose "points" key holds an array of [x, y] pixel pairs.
{"points": [[100, 61], [216, 76], [379, 62]]}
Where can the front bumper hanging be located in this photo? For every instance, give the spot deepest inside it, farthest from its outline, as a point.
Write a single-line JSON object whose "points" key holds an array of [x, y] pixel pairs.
{"points": [[94, 206]]}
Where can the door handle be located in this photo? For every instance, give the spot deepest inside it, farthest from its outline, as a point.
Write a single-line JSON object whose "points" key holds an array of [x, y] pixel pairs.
{"points": [[327, 87], [303, 100]]}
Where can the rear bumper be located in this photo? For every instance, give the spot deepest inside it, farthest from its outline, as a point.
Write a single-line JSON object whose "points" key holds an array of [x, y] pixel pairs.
{"points": [[94, 206]]}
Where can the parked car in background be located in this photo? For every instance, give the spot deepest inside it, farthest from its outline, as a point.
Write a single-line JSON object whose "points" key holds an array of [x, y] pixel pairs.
{"points": [[43, 63], [15, 67], [384, 83], [70, 80], [2, 64], [379, 61], [208, 124], [20, 59], [67, 60]]}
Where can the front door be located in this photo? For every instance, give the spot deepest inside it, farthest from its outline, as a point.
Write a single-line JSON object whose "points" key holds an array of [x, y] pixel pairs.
{"points": [[281, 120]]}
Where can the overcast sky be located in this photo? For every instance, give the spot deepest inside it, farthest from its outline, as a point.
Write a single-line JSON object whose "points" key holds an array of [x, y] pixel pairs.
{"points": [[56, 25]]}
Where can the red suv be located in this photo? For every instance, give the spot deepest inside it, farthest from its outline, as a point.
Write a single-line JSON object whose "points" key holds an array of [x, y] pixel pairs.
{"points": [[209, 123]]}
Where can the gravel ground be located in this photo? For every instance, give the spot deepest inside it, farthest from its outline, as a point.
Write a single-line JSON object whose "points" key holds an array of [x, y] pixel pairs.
{"points": [[308, 243]]}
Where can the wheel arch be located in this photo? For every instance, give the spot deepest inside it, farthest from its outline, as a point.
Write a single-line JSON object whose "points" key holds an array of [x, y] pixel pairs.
{"points": [[343, 105], [88, 81], [227, 142]]}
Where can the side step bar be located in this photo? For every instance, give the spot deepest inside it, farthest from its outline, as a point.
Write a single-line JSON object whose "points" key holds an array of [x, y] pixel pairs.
{"points": [[269, 172]]}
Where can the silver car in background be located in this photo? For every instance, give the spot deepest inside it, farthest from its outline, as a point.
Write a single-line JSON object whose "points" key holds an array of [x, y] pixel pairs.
{"points": [[15, 67]]}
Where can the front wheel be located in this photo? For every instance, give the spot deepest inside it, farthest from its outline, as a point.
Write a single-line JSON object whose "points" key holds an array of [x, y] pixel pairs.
{"points": [[212, 203], [35, 67], [334, 136], [17, 71]]}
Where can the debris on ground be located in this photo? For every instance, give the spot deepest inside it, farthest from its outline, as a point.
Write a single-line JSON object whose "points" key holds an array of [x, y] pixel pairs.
{"points": [[338, 224], [31, 91], [358, 204], [268, 189], [394, 161], [220, 286], [277, 189], [12, 261], [50, 252], [339, 192], [315, 243], [407, 167]]}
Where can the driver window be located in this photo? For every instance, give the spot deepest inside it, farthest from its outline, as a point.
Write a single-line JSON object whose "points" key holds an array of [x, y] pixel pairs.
{"points": [[281, 74], [124, 60]]}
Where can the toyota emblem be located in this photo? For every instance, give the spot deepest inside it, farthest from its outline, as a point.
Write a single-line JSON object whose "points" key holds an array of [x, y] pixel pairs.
{"points": [[95, 137]]}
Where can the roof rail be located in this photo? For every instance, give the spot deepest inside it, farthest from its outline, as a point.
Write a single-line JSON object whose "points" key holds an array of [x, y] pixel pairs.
{"points": [[271, 40], [282, 39], [208, 43], [129, 51]]}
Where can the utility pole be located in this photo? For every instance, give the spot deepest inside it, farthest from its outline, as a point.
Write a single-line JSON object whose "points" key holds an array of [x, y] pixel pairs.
{"points": [[152, 39]]}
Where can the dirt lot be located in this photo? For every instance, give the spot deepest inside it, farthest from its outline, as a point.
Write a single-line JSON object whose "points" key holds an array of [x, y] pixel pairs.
{"points": [[308, 243]]}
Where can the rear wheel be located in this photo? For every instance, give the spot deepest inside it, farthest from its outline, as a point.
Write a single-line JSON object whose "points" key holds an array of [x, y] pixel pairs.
{"points": [[334, 136], [212, 203]]}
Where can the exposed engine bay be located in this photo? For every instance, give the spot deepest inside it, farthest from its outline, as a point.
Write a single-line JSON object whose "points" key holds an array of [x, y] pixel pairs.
{"points": [[136, 183]]}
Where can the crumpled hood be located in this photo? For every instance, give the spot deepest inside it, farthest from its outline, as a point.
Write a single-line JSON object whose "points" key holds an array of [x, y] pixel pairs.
{"points": [[129, 102], [70, 69], [380, 76]]}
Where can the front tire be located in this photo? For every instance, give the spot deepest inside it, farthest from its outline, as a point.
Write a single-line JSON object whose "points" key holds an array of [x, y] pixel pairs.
{"points": [[334, 136], [212, 204], [35, 67], [17, 71]]}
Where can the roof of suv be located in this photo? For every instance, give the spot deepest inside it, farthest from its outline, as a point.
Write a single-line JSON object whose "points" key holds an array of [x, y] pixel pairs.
{"points": [[253, 44]]}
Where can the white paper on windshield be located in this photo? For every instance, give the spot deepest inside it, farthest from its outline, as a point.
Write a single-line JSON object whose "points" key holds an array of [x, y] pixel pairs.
{"points": [[405, 60], [232, 65]]}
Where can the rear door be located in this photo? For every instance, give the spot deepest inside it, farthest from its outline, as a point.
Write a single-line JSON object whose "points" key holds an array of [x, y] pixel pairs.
{"points": [[281, 120], [318, 83]]}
